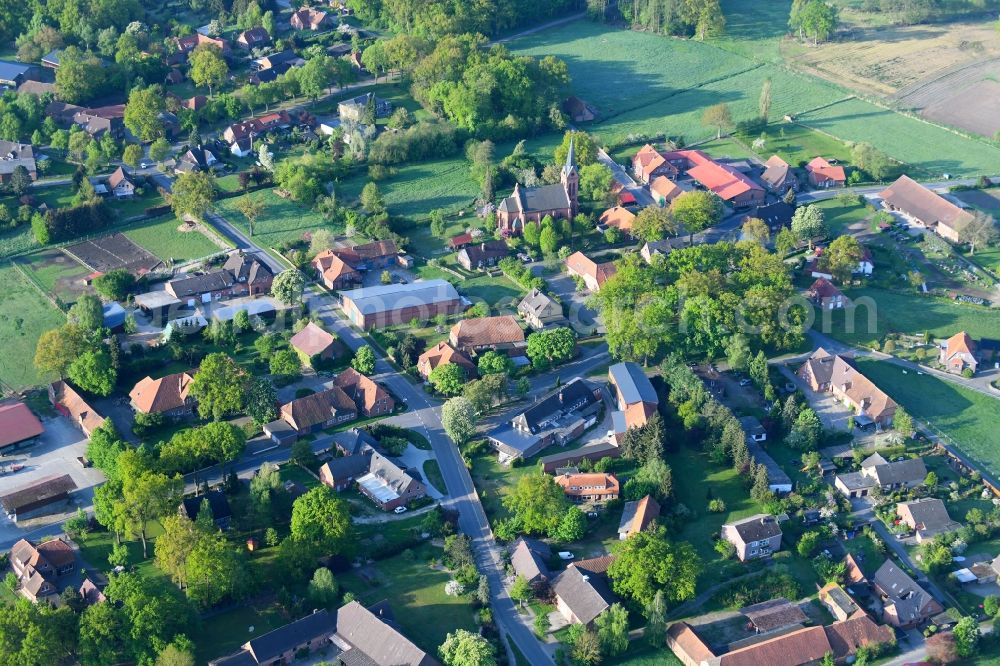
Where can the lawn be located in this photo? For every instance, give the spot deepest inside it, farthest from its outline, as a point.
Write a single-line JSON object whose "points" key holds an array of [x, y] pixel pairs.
{"points": [[797, 144], [283, 219], [696, 481], [162, 237], [933, 149], [24, 316], [128, 208], [897, 312], [416, 593], [432, 475], [224, 633], [641, 653], [839, 217], [967, 417], [497, 292]]}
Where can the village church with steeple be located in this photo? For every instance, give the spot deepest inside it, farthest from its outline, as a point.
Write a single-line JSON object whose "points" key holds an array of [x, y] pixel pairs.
{"points": [[531, 204]]}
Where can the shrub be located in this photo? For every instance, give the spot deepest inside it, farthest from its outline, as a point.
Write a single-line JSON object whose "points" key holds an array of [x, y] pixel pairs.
{"points": [[717, 506]]}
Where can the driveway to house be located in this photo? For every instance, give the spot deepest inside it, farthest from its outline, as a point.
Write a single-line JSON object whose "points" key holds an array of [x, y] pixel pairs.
{"points": [[621, 175], [830, 411], [582, 318]]}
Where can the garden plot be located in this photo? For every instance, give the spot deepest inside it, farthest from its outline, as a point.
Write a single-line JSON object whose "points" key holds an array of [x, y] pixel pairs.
{"points": [[114, 251], [59, 274]]}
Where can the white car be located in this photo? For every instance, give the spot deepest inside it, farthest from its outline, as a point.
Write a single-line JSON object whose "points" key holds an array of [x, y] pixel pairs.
{"points": [[566, 555], [145, 165], [399, 509]]}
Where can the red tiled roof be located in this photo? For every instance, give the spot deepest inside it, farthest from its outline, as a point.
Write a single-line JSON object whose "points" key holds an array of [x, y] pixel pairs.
{"points": [[441, 354], [161, 395], [584, 265], [791, 649], [366, 392], [619, 217], [665, 188], [823, 288], [17, 423], [588, 484], [960, 343], [460, 240], [481, 331], [826, 171], [311, 340], [76, 407], [724, 180]]}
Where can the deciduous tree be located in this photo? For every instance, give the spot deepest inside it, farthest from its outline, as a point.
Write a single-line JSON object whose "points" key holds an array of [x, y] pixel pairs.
{"points": [[321, 518], [207, 67], [458, 417], [219, 386], [288, 286], [364, 360], [695, 211], [537, 502], [647, 562], [193, 194], [464, 648]]}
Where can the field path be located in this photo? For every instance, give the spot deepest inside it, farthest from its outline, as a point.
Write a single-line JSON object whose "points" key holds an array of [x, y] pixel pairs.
{"points": [[538, 28]]}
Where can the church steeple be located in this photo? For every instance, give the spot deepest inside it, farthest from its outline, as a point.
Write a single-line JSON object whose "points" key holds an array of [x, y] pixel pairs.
{"points": [[569, 177]]}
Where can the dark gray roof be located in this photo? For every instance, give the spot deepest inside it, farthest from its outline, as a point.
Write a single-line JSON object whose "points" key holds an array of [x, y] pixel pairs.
{"points": [[776, 215], [217, 502], [200, 284], [528, 558], [537, 199], [585, 593], [855, 481], [774, 614], [484, 251], [348, 467], [378, 641], [752, 426], [930, 515], [11, 71], [594, 450], [246, 267], [756, 528], [904, 471], [574, 396], [355, 441], [775, 475], [50, 487], [539, 304], [909, 598], [633, 383], [274, 643]]}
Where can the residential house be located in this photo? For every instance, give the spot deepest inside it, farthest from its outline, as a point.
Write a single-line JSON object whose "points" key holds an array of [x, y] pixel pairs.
{"points": [[371, 636], [927, 517], [354, 109], [196, 103], [190, 42], [394, 304], [590, 488], [959, 353], [583, 591], [218, 505], [369, 396], [754, 537], [196, 158], [825, 372], [653, 249], [635, 396], [167, 395], [38, 568], [838, 601], [826, 295], [539, 310], [254, 38], [776, 216], [71, 404], [823, 174], [664, 190], [877, 471], [92, 592], [904, 603], [578, 110], [97, 121], [530, 204], [648, 163], [339, 268], [482, 255], [922, 206], [19, 427], [354, 442], [388, 485], [594, 275], [481, 334], [319, 410], [726, 181], [637, 516], [559, 417], [778, 176], [341, 473], [254, 127], [284, 644], [314, 345], [619, 218], [528, 557], [241, 275], [120, 184], [37, 497], [441, 354], [308, 18], [14, 155]]}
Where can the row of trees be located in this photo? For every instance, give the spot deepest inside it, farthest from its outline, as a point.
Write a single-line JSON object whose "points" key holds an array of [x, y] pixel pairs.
{"points": [[679, 18]]}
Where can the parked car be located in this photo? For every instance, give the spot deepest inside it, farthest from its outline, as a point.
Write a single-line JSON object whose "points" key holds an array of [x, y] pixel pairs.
{"points": [[745, 382], [566, 555], [399, 509]]}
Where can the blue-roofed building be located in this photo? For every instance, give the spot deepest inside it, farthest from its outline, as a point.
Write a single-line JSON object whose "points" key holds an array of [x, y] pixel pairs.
{"points": [[114, 315], [636, 398], [12, 74], [394, 304]]}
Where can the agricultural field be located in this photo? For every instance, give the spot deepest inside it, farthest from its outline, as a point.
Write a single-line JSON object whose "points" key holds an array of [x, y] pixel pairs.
{"points": [[910, 313], [883, 62], [754, 29], [967, 417], [16, 241], [964, 97], [57, 273], [24, 315], [932, 149], [170, 240]]}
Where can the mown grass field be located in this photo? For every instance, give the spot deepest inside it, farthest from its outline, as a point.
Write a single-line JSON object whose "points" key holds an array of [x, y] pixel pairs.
{"points": [[24, 315], [839, 218], [162, 237], [967, 417], [934, 150], [797, 144], [910, 313], [282, 220]]}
